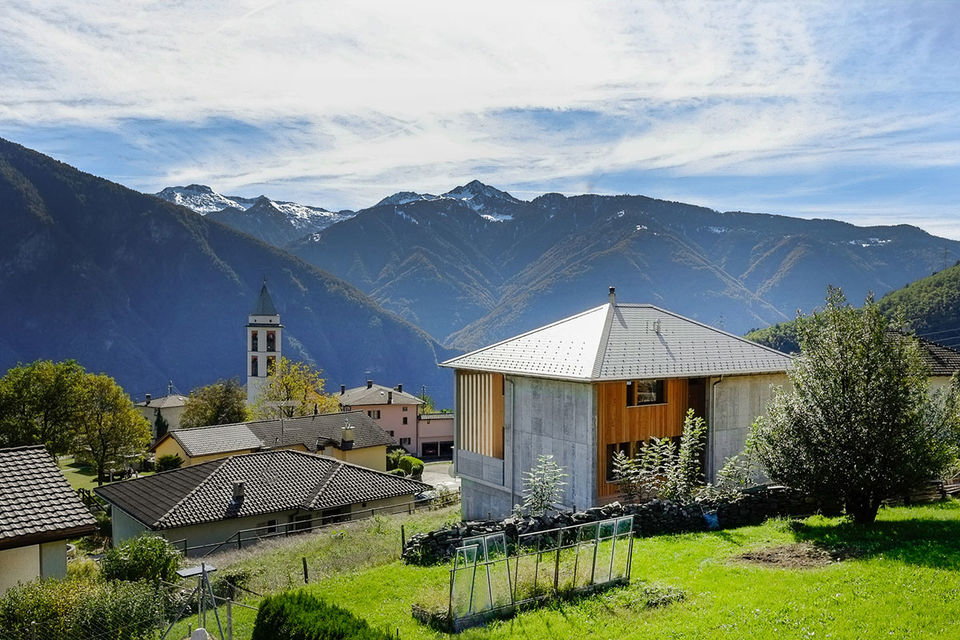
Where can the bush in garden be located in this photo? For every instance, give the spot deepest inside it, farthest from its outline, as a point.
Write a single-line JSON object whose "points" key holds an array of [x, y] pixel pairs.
{"points": [[542, 487], [80, 609], [145, 558], [397, 472], [409, 463], [168, 462], [300, 615]]}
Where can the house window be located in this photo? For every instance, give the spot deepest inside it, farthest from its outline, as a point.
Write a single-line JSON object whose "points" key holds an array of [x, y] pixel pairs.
{"points": [[271, 340], [302, 523], [254, 340], [374, 413], [641, 392], [404, 441], [254, 367], [622, 447], [404, 409], [390, 433], [404, 419]]}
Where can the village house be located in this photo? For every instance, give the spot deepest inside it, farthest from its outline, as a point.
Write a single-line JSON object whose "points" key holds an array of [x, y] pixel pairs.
{"points": [[350, 436], [38, 513], [397, 412], [260, 494], [170, 407], [604, 380]]}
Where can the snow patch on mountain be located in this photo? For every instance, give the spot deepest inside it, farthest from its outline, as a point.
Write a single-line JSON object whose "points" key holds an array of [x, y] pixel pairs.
{"points": [[496, 217], [406, 197], [480, 197], [200, 198]]}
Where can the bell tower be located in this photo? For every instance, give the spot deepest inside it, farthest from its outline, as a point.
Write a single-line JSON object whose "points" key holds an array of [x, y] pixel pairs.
{"points": [[263, 344]]}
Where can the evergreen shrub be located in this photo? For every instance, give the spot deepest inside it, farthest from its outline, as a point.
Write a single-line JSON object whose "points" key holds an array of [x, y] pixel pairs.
{"points": [[300, 615]]}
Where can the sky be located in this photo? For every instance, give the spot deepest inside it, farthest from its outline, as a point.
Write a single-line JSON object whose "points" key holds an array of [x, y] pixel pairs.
{"points": [[847, 110]]}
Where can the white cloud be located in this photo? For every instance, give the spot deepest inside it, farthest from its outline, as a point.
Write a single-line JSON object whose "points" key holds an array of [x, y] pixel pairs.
{"points": [[354, 100]]}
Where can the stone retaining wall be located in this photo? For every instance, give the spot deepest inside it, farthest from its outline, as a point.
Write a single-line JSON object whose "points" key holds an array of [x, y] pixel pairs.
{"points": [[650, 518]]}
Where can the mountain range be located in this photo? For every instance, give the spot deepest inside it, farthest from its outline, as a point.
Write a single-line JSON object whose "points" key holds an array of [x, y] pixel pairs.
{"points": [[275, 222], [149, 291], [475, 264]]}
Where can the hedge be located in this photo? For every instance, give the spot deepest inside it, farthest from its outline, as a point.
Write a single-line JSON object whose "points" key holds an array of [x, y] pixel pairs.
{"points": [[300, 615]]}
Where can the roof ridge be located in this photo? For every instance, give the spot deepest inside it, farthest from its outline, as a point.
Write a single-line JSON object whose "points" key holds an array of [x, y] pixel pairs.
{"points": [[602, 345], [23, 447], [223, 462], [322, 484]]}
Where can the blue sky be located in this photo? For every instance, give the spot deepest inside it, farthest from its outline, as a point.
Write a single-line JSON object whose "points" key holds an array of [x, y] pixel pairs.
{"points": [[845, 110]]}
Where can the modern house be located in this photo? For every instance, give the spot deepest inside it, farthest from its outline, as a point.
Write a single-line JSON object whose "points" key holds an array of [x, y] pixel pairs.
{"points": [[397, 412], [38, 513], [607, 379], [350, 436], [273, 492], [169, 407]]}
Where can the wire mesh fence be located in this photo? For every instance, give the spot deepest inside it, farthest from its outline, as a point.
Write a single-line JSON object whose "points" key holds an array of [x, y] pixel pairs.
{"points": [[488, 575]]}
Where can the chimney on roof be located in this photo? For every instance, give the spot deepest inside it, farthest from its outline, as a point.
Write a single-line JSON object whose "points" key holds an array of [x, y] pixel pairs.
{"points": [[400, 388], [239, 490], [389, 397], [613, 295], [346, 436], [343, 389], [369, 384], [148, 398]]}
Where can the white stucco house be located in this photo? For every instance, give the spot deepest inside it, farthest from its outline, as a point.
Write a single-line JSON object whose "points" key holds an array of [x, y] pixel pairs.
{"points": [[39, 511]]}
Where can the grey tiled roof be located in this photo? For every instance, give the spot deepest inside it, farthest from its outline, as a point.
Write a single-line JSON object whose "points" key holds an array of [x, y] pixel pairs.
{"points": [[622, 342], [942, 361], [165, 402], [274, 481], [202, 441], [327, 427], [377, 394], [264, 306], [36, 502], [267, 434]]}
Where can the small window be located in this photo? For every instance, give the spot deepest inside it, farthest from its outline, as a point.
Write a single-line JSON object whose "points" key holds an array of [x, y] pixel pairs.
{"points": [[404, 441], [404, 409], [254, 367], [641, 392], [390, 433], [271, 365], [404, 419], [271, 340], [254, 341]]}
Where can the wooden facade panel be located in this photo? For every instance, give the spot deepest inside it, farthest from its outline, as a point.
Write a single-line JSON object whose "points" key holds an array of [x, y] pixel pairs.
{"points": [[617, 423], [480, 413]]}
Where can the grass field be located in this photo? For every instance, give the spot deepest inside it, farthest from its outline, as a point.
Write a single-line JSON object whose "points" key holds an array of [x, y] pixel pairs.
{"points": [[897, 579], [81, 476]]}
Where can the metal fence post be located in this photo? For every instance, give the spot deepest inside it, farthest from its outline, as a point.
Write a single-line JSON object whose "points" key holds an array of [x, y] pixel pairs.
{"points": [[229, 619], [306, 573]]}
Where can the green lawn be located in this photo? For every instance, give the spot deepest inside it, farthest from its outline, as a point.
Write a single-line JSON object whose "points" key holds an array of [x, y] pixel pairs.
{"points": [[82, 476], [898, 579]]}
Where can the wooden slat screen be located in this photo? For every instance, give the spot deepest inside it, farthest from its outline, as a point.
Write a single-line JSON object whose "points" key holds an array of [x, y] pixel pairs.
{"points": [[480, 413]]}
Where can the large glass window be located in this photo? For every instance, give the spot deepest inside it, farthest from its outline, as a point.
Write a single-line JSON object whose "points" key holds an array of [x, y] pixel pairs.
{"points": [[641, 392]]}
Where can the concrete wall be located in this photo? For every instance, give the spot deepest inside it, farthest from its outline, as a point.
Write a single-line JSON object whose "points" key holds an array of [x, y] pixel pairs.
{"points": [[21, 564], [123, 526], [734, 403], [53, 559], [541, 417]]}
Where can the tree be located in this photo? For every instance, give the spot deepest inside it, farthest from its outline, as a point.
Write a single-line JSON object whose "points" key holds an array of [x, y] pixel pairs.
{"points": [[294, 389], [223, 402], [859, 424], [39, 404], [109, 428], [542, 487]]}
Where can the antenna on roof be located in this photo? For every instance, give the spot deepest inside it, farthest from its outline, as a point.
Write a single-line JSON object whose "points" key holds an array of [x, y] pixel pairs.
{"points": [[612, 296]]}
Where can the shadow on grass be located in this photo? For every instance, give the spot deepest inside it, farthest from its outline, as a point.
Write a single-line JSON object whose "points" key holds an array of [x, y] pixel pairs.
{"points": [[924, 542]]}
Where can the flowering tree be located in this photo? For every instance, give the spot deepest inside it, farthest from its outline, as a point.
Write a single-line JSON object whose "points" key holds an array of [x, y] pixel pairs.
{"points": [[542, 487]]}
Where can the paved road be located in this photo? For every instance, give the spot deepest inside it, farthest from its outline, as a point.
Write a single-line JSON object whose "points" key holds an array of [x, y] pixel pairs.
{"points": [[441, 474]]}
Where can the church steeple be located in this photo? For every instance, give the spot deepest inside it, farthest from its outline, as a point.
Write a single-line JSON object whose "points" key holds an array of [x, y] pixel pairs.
{"points": [[264, 343]]}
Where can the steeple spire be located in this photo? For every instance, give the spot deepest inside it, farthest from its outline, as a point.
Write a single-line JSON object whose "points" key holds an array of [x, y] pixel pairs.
{"points": [[264, 306]]}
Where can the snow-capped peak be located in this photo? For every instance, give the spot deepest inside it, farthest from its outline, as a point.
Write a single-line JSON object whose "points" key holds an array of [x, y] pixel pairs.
{"points": [[200, 198], [475, 188], [405, 197]]}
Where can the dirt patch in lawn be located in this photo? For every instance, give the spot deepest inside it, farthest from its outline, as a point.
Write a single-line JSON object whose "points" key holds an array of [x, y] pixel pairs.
{"points": [[790, 556]]}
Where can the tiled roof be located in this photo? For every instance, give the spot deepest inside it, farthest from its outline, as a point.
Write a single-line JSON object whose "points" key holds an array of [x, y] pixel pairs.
{"points": [[165, 402], [436, 416], [622, 342], [264, 305], [202, 441], [274, 481], [942, 361], [326, 427], [267, 434], [36, 502], [376, 394]]}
